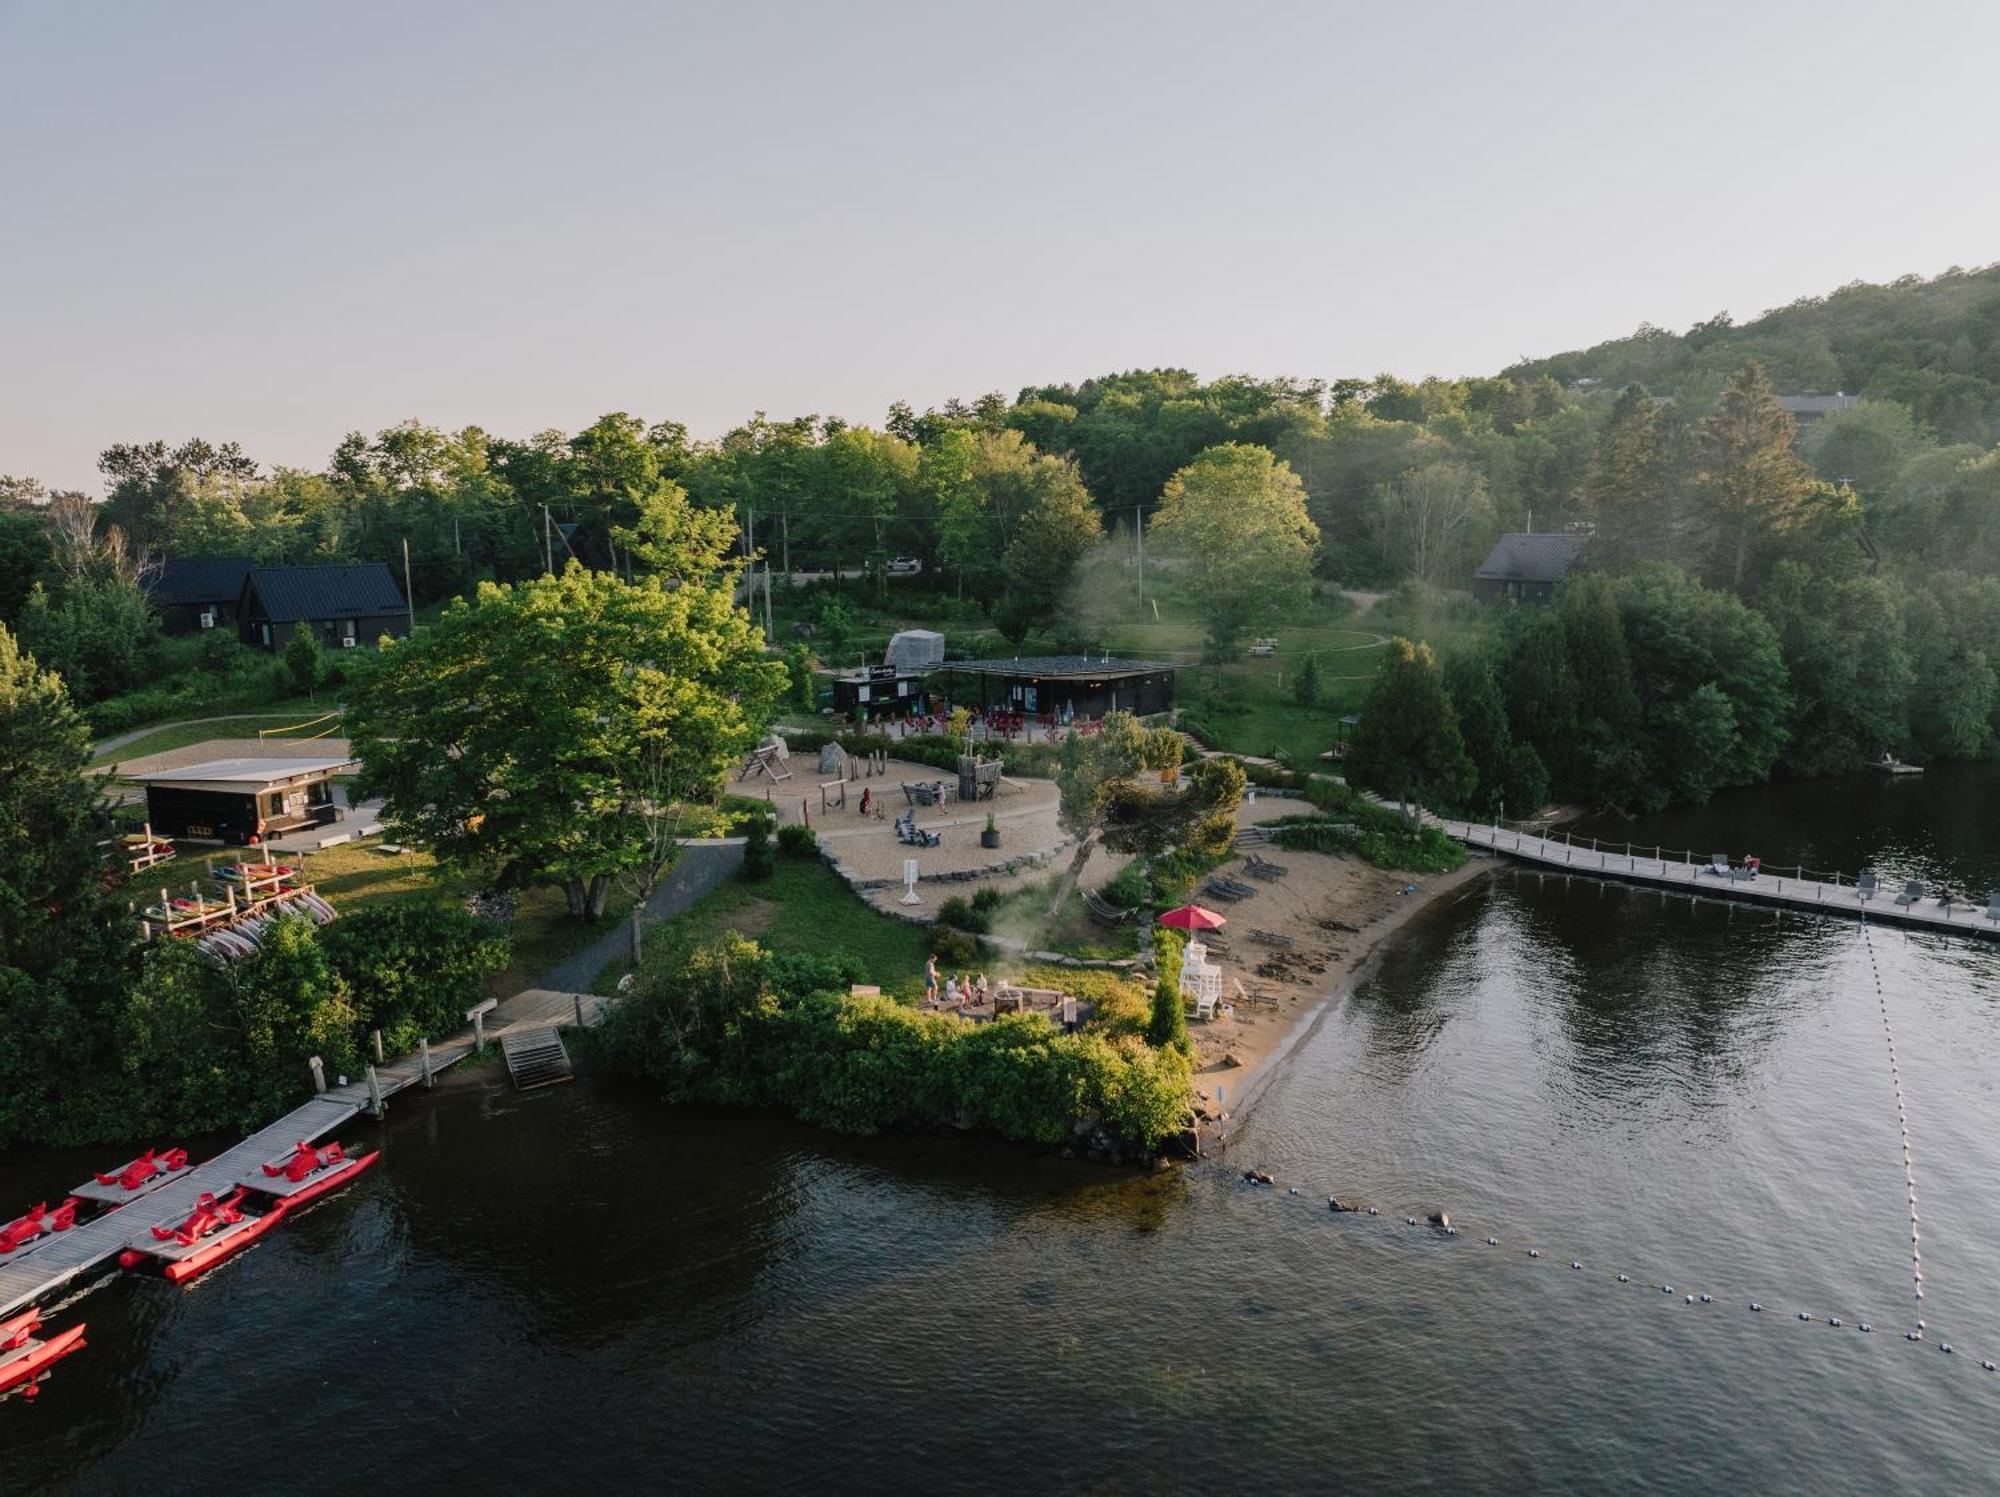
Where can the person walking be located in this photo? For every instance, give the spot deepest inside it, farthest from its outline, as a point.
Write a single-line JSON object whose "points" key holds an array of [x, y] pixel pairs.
{"points": [[930, 978]]}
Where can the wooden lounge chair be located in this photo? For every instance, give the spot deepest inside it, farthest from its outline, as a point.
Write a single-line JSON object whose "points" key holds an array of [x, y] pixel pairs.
{"points": [[1912, 893], [1271, 938], [1221, 891], [1718, 864], [1865, 886], [1993, 906], [1264, 867], [1252, 997]]}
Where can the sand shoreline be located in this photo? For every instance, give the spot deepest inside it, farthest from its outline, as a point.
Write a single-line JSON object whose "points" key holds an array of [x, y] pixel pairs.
{"points": [[1244, 1056]]}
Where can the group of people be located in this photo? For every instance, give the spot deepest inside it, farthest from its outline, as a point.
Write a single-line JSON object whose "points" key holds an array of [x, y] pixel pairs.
{"points": [[961, 989]]}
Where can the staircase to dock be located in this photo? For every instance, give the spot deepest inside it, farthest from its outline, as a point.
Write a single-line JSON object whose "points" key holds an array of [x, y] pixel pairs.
{"points": [[535, 1057]]}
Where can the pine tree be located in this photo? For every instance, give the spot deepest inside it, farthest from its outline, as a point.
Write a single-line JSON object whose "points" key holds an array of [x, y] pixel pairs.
{"points": [[1750, 485], [1624, 494], [1408, 743]]}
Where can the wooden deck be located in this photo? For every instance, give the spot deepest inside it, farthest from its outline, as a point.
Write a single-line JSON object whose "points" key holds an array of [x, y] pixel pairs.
{"points": [[1659, 868], [54, 1262]]}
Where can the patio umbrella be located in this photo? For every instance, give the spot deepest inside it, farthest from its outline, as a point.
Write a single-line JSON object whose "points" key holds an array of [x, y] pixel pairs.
{"points": [[1193, 917]]}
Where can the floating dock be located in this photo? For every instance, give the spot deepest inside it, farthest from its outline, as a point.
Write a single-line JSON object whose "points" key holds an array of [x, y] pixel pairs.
{"points": [[1678, 872], [49, 1264]]}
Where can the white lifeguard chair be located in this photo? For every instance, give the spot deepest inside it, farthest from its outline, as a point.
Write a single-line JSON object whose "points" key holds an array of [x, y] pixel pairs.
{"points": [[1201, 980]]}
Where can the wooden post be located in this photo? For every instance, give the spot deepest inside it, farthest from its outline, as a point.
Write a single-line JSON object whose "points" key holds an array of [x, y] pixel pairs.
{"points": [[424, 1060], [377, 1037], [577, 1000], [319, 1073], [479, 1031], [375, 1104]]}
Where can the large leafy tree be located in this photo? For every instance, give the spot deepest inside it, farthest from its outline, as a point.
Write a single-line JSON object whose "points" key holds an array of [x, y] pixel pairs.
{"points": [[1505, 772], [548, 732], [63, 938], [1101, 799], [1235, 518], [1408, 743], [1428, 520]]}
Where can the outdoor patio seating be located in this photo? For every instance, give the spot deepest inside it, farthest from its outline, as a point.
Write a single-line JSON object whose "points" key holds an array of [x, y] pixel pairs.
{"points": [[1912, 893], [1264, 868], [1271, 938], [912, 835], [1993, 905], [1865, 886]]}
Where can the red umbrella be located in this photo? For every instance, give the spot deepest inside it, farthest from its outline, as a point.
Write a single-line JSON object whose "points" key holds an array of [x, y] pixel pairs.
{"points": [[1193, 917]]}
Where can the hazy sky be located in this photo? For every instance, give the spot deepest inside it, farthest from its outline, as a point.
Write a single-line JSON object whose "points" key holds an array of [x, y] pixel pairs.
{"points": [[278, 221]]}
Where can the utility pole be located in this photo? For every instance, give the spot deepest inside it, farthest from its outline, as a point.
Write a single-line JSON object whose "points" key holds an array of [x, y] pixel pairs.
{"points": [[1140, 515], [409, 597]]}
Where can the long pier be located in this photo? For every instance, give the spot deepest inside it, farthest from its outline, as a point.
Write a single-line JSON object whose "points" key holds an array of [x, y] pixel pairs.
{"points": [[1666, 869], [51, 1263]]}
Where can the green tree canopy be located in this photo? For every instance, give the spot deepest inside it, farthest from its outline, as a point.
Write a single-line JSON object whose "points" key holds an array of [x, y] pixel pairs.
{"points": [[536, 734], [1235, 521], [1408, 743]]}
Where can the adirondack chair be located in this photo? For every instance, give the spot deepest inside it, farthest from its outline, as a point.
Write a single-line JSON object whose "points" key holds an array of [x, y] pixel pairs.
{"points": [[1912, 893], [1865, 886], [1718, 864], [1993, 906]]}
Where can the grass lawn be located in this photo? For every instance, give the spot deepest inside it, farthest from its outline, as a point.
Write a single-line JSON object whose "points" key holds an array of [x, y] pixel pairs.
{"points": [[1024, 916], [243, 725], [804, 906], [358, 875]]}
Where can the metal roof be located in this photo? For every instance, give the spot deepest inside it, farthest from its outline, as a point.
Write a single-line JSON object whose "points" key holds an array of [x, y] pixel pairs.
{"points": [[1518, 557], [1059, 666], [183, 581], [351, 592], [246, 771]]}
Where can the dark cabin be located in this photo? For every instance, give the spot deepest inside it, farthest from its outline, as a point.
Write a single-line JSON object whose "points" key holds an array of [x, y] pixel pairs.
{"points": [[878, 691], [345, 607], [1524, 568], [192, 593], [242, 800], [1065, 685]]}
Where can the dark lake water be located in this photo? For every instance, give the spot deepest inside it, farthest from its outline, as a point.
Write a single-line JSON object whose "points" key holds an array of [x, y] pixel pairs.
{"points": [[579, 1288]]}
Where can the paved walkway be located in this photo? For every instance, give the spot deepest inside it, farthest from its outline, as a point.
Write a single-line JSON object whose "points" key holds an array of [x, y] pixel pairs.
{"points": [[702, 866]]}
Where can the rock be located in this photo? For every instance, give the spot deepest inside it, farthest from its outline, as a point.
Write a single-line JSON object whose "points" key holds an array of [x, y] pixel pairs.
{"points": [[1335, 1203], [1230, 1061], [1441, 1219], [832, 759]]}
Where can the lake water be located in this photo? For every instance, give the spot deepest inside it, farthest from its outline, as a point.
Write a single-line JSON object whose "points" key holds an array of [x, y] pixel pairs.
{"points": [[579, 1288]]}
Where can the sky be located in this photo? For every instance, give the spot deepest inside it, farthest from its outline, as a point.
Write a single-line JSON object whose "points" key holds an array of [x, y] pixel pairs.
{"points": [[277, 223]]}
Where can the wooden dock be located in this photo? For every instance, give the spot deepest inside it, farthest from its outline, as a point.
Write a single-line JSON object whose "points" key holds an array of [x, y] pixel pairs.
{"points": [[54, 1262], [1680, 872]]}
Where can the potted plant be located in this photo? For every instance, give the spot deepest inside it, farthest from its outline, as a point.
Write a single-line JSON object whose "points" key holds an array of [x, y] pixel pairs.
{"points": [[991, 836]]}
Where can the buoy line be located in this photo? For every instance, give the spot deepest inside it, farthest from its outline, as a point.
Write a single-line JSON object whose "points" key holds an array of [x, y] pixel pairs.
{"points": [[1916, 1333], [1439, 1223]]}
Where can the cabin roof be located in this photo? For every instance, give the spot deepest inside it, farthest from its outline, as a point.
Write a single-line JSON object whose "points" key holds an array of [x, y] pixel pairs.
{"points": [[184, 581], [1521, 557], [289, 594], [243, 773]]}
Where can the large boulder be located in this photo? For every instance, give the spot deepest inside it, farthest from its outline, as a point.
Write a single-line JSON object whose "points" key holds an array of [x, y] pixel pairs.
{"points": [[832, 760]]}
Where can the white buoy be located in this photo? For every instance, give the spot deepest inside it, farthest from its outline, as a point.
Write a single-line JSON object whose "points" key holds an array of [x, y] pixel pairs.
{"points": [[1706, 1300], [1687, 1299], [1493, 1242], [1834, 1321], [1534, 1252], [1666, 1289], [1987, 1365], [1755, 1306], [1574, 1264], [1864, 1326], [1623, 1279]]}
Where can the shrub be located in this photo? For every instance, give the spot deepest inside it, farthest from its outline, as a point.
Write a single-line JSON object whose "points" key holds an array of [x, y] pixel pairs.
{"points": [[986, 900], [414, 969], [1127, 888], [955, 947], [958, 913], [1168, 1025], [798, 841], [757, 849]]}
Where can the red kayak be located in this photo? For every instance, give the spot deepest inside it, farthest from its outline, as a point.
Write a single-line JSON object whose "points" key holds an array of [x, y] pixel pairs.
{"points": [[23, 1356]]}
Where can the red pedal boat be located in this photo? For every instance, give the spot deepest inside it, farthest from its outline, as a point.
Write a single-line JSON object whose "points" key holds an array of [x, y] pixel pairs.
{"points": [[23, 1355], [39, 1221], [220, 1228], [148, 1167]]}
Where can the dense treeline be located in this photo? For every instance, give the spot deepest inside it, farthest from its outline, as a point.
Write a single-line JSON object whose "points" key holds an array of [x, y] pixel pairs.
{"points": [[107, 1038]]}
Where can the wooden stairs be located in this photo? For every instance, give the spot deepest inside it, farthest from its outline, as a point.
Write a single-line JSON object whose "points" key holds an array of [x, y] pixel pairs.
{"points": [[535, 1057]]}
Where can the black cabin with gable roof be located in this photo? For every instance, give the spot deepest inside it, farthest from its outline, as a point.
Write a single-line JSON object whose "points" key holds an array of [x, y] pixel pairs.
{"points": [[192, 593], [345, 606]]}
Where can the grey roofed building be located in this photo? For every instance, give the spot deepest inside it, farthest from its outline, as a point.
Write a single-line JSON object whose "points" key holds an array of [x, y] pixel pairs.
{"points": [[1805, 408], [340, 603], [1526, 568]]}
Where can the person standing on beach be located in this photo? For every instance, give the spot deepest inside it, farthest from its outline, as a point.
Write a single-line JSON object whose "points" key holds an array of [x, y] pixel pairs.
{"points": [[930, 978]]}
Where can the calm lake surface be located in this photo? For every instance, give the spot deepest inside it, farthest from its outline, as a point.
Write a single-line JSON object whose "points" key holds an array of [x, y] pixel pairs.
{"points": [[579, 1288]]}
